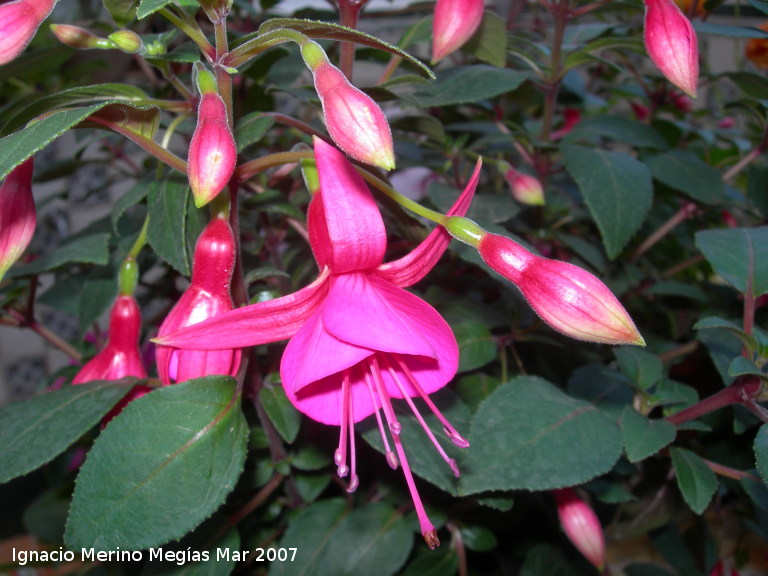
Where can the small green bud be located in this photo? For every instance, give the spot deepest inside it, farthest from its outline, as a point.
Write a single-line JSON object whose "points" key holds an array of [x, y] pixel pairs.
{"points": [[463, 229], [314, 56], [206, 81], [127, 41]]}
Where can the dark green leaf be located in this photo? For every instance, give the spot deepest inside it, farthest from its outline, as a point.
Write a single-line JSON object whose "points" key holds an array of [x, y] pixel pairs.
{"points": [[752, 85], [96, 295], [168, 232], [464, 84], [91, 249], [478, 538], [489, 43], [160, 468], [530, 435], [130, 198], [729, 31], [46, 516], [761, 451], [617, 189], [251, 128], [617, 128], [476, 345], [543, 560], [147, 7], [725, 326], [740, 255], [684, 171], [37, 430], [122, 11], [640, 366], [434, 563], [281, 412], [644, 437], [331, 539], [694, 478]]}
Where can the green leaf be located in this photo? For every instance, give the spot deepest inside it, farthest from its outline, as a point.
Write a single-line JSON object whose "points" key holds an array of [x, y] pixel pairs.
{"points": [[694, 478], [96, 296], [478, 538], [644, 437], [122, 11], [37, 430], [489, 42], [752, 85], [740, 255], [147, 7], [130, 198], [17, 147], [729, 31], [761, 451], [740, 366], [251, 128], [463, 84], [686, 172], [173, 223], [331, 539], [160, 468], [476, 345], [617, 189], [434, 563], [544, 559], [281, 412], [640, 366], [725, 326], [530, 435], [91, 249], [617, 128]]}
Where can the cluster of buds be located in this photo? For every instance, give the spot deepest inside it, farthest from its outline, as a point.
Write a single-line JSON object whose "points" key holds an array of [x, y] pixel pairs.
{"points": [[568, 298], [525, 188], [581, 525], [455, 22], [672, 44], [19, 21], [355, 122], [208, 295], [17, 215]]}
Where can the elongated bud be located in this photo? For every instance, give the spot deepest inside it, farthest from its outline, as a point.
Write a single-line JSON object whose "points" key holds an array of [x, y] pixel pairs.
{"points": [[355, 122], [17, 215], [80, 38], [525, 188], [568, 298], [19, 21], [454, 24], [672, 44], [208, 295], [581, 525], [127, 41], [212, 150]]}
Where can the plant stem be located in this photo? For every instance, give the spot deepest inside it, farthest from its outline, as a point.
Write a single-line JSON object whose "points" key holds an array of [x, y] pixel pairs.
{"points": [[750, 157], [141, 241], [223, 79], [729, 472], [46, 335], [349, 10], [560, 12], [298, 124], [192, 30], [738, 392], [249, 169], [681, 215]]}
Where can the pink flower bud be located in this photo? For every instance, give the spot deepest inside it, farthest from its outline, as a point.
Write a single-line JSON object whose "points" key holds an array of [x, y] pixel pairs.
{"points": [[19, 21], [76, 37], [355, 122], [581, 525], [120, 357], [17, 215], [672, 44], [568, 298], [454, 24], [525, 188], [208, 295], [212, 151]]}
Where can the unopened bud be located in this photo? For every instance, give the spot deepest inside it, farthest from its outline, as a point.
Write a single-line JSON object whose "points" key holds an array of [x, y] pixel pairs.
{"points": [[455, 22], [127, 41], [672, 44], [17, 215], [525, 188], [80, 38], [581, 525], [19, 21], [568, 298]]}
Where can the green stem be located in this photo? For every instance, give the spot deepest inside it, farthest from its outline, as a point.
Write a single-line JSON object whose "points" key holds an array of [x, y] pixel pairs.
{"points": [[404, 201], [298, 124], [141, 241], [243, 53], [249, 169], [223, 79], [192, 30]]}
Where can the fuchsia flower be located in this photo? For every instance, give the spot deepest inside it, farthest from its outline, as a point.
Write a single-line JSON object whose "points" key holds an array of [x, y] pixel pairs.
{"points": [[672, 44], [17, 215], [208, 295], [581, 525], [454, 24], [568, 298], [359, 339], [212, 151], [19, 21]]}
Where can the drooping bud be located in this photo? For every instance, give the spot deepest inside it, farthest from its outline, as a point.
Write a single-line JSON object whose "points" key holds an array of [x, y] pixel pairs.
{"points": [[80, 38], [455, 22], [17, 215], [212, 151], [581, 525], [525, 188], [672, 44], [208, 295], [127, 41], [19, 20], [568, 298], [355, 122]]}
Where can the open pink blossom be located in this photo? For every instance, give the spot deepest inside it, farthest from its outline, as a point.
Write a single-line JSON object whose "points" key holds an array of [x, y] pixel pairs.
{"points": [[17, 215], [19, 21], [358, 339]]}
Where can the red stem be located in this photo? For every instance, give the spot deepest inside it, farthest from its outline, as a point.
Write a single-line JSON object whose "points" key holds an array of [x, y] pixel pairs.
{"points": [[742, 391]]}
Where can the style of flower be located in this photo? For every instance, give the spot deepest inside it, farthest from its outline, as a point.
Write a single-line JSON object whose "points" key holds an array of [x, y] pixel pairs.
{"points": [[208, 295], [455, 21], [358, 339], [17, 215], [19, 20]]}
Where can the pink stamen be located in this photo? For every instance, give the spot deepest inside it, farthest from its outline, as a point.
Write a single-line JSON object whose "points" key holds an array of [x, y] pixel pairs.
{"points": [[451, 462], [386, 403], [340, 456], [449, 430], [391, 457], [353, 480]]}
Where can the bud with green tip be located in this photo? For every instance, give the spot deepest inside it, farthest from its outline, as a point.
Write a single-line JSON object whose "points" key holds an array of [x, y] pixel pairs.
{"points": [[525, 188], [127, 41], [79, 38]]}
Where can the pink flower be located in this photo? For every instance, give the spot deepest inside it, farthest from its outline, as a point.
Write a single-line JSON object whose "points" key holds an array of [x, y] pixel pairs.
{"points": [[581, 525], [19, 21], [120, 357], [212, 151], [568, 298], [208, 295], [672, 44], [17, 215], [359, 339], [454, 24]]}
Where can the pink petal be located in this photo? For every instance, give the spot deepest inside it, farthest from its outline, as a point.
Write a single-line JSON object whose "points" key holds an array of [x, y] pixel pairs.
{"points": [[255, 324], [416, 264], [351, 236]]}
